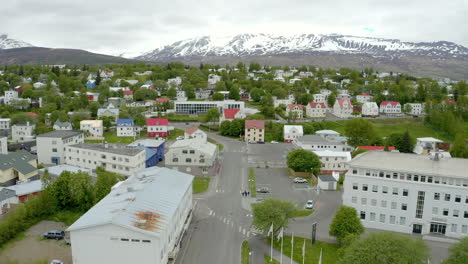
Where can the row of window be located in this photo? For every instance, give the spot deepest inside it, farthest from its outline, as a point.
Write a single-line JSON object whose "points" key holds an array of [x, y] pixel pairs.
{"points": [[383, 203], [414, 177], [188, 151], [383, 218], [454, 228], [188, 160], [447, 197], [445, 212], [130, 240], [103, 156], [385, 189]]}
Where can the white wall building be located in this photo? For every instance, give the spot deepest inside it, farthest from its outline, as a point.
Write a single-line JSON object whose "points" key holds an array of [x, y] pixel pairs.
{"points": [[94, 128], [409, 193], [291, 133], [5, 123], [195, 132], [320, 98], [10, 96], [416, 108], [289, 100], [426, 145], [390, 107], [363, 98], [370, 109], [342, 108], [142, 219], [3, 145], [23, 132], [194, 107], [51, 145], [295, 110], [316, 109], [317, 143], [118, 158], [333, 160]]}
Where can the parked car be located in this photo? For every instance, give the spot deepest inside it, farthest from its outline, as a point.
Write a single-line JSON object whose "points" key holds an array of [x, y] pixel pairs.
{"points": [[56, 262], [310, 204], [263, 190], [180, 138], [274, 142], [261, 142], [300, 180], [54, 234]]}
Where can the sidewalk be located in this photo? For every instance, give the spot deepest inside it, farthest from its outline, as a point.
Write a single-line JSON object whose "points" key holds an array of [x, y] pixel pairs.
{"points": [[260, 248]]}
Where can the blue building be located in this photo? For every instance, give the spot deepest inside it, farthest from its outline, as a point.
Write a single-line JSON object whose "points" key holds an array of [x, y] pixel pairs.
{"points": [[91, 84], [154, 150]]}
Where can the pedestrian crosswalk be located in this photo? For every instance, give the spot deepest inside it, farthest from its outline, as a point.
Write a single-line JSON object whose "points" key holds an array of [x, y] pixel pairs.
{"points": [[244, 231], [219, 190]]}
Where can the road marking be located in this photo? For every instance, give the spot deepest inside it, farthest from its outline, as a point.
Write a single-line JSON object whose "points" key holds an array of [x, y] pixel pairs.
{"points": [[228, 221], [211, 212], [240, 229], [243, 231], [248, 234], [232, 224]]}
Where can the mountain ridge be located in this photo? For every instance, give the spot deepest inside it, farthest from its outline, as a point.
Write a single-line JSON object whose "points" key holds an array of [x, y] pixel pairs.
{"points": [[8, 43]]}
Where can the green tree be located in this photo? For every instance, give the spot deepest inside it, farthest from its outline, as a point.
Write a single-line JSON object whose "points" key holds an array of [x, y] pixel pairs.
{"points": [[272, 211], [303, 161], [360, 132], [104, 182], [145, 94], [386, 248], [22, 118], [98, 78], [217, 97], [172, 93], [458, 253], [346, 222], [212, 115], [331, 100], [256, 94], [357, 152], [225, 128], [107, 121], [234, 94], [406, 143], [459, 149], [407, 108]]}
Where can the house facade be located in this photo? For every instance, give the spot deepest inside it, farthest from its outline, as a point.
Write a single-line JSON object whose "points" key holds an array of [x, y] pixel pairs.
{"points": [[416, 108], [409, 193], [370, 109], [318, 110], [154, 150], [157, 127], [92, 128], [318, 143], [342, 108], [333, 161], [364, 98], [296, 111], [126, 128], [23, 132], [194, 156], [291, 133], [390, 107], [254, 130], [195, 132], [5, 123], [51, 145], [59, 125]]}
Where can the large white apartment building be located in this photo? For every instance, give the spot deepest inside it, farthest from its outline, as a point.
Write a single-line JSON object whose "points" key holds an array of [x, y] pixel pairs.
{"points": [[118, 158], [318, 143], [416, 108], [195, 107], [409, 193], [93, 128], [370, 109], [333, 161], [5, 123], [142, 220], [23, 132], [51, 145]]}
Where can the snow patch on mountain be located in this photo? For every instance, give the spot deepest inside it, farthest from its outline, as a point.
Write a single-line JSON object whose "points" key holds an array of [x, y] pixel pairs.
{"points": [[8, 43]]}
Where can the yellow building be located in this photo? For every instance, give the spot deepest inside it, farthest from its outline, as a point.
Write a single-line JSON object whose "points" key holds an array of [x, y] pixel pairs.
{"points": [[17, 166], [255, 130]]}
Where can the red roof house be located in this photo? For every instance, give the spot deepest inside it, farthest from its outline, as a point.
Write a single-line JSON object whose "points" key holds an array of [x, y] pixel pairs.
{"points": [[229, 114], [254, 124], [32, 114], [157, 127], [128, 92], [162, 100]]}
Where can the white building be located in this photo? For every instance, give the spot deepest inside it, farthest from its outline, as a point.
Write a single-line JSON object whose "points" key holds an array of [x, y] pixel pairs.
{"points": [[51, 145], [127, 128], [317, 143], [390, 107], [289, 100], [195, 107], [191, 154], [426, 145], [409, 193], [142, 219], [291, 133], [213, 79], [416, 108], [333, 161], [363, 98], [370, 109], [10, 96], [316, 110], [320, 98], [3, 145], [110, 111], [59, 125], [118, 158], [328, 134], [296, 111], [195, 132], [23, 132], [5, 123], [94, 128], [177, 81], [342, 108]]}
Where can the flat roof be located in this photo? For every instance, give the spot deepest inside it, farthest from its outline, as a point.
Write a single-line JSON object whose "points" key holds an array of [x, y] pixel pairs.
{"points": [[120, 149], [61, 133], [412, 163], [315, 139]]}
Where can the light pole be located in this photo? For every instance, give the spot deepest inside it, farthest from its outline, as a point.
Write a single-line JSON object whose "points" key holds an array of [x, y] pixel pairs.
{"points": [[250, 257]]}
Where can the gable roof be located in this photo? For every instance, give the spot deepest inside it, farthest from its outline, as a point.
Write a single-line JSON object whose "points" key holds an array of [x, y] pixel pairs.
{"points": [[197, 144], [230, 113], [157, 122], [27, 187], [315, 105], [389, 103], [62, 124], [292, 106], [162, 100], [155, 191], [124, 122], [128, 92], [18, 160], [258, 124], [289, 128], [342, 101], [191, 130]]}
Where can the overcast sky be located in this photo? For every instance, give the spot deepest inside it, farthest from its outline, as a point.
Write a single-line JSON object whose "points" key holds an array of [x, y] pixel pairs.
{"points": [[112, 26]]}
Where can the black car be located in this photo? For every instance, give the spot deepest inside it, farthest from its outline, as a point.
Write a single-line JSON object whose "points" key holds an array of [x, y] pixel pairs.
{"points": [[54, 234]]}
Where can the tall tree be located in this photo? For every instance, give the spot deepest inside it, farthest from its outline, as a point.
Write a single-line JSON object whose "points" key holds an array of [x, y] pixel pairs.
{"points": [[98, 78], [459, 149], [458, 253], [386, 248], [234, 94], [360, 132], [304, 161], [346, 222], [272, 211], [331, 100], [406, 144]]}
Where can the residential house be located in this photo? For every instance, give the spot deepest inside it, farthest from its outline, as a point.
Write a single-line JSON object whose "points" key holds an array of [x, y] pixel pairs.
{"points": [[176, 82], [90, 84], [195, 156], [202, 94], [144, 218], [38, 85], [415, 108], [128, 95], [127, 128], [426, 145], [59, 125], [19, 166], [293, 80], [118, 158], [370, 109], [23, 132], [230, 114], [195, 132], [289, 100], [10, 96], [333, 161], [291, 133], [254, 130], [18, 193], [51, 145], [110, 111], [363, 98], [343, 108], [116, 102], [154, 150], [106, 74], [92, 128], [5, 123], [295, 111], [213, 79], [390, 107], [116, 89], [157, 127], [316, 110], [317, 143], [320, 98]]}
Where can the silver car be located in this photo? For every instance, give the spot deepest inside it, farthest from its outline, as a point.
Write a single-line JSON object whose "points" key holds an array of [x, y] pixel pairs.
{"points": [[300, 180], [309, 204]]}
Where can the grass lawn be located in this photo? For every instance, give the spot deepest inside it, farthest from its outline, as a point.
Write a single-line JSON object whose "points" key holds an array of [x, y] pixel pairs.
{"points": [[303, 212], [245, 250], [252, 185], [200, 184], [268, 258], [220, 146], [312, 252], [175, 133], [111, 137]]}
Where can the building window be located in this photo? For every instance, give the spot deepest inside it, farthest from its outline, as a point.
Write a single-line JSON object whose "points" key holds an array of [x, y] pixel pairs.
{"points": [[355, 186], [188, 160], [146, 241], [124, 239], [363, 200], [465, 229], [394, 205], [420, 204], [445, 212], [375, 188], [374, 202], [372, 217], [404, 206], [384, 189], [54, 150], [381, 174], [354, 199], [392, 219], [465, 215], [363, 215], [402, 220], [447, 197], [458, 198], [429, 179], [453, 228], [192, 151], [383, 203], [135, 240], [456, 213], [382, 218], [435, 210], [364, 187], [405, 192], [436, 196], [395, 191], [354, 171]]}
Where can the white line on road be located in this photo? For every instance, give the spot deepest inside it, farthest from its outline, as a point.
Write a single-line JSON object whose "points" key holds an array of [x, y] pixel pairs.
{"points": [[228, 221], [211, 212], [240, 229], [248, 234]]}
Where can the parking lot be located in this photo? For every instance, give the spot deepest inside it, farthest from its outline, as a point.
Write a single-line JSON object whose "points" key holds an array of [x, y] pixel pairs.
{"points": [[268, 154], [34, 248]]}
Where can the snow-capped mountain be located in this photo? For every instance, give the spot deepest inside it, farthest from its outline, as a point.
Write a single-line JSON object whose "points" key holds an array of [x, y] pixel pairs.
{"points": [[306, 44], [8, 43]]}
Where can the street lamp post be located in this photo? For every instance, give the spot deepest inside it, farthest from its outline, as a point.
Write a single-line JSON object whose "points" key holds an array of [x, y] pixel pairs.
{"points": [[250, 257]]}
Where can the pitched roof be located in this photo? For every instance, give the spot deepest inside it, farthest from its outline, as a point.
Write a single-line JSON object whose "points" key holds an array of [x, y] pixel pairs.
{"points": [[18, 160], [62, 124], [128, 92], [124, 122], [197, 144], [289, 128], [342, 101], [364, 95], [230, 113], [315, 105], [259, 124], [162, 100], [191, 130], [389, 102], [157, 122], [61, 134], [27, 187], [376, 147], [292, 106], [153, 191]]}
